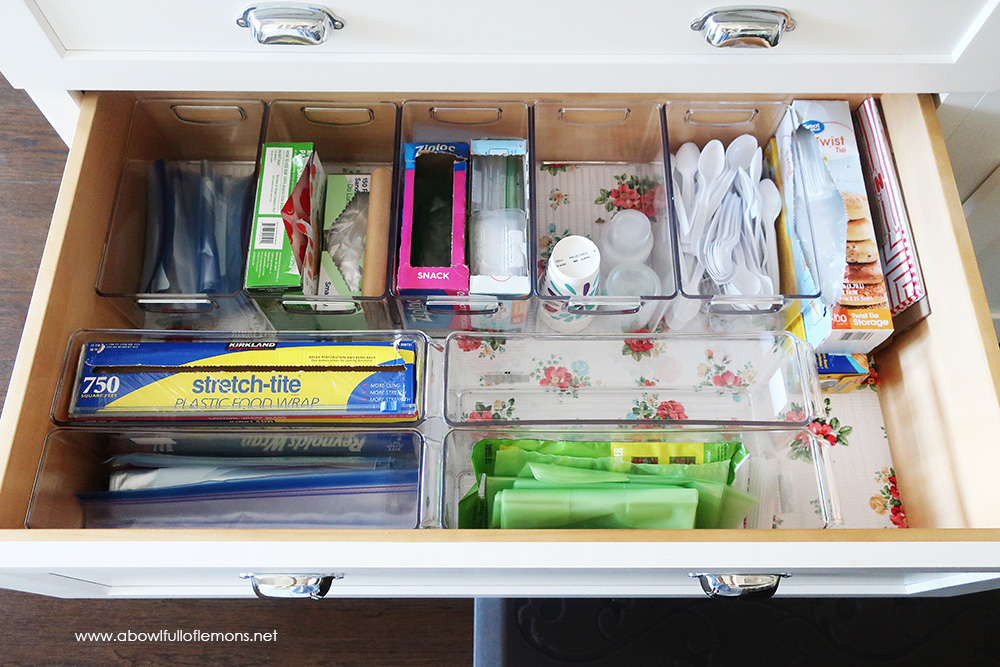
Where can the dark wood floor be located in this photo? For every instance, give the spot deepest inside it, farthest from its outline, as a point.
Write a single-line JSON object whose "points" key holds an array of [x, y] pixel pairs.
{"points": [[36, 630]]}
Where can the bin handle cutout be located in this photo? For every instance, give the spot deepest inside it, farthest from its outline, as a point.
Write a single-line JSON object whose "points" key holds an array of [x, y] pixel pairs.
{"points": [[594, 115], [463, 306], [340, 116], [724, 118], [323, 308], [467, 115], [746, 306], [585, 307], [161, 305], [209, 114]]}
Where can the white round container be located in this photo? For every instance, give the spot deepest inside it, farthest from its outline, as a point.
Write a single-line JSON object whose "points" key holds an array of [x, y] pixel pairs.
{"points": [[626, 239], [634, 280]]}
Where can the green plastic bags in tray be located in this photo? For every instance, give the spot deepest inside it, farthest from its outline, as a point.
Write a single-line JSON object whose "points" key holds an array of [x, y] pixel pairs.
{"points": [[642, 485]]}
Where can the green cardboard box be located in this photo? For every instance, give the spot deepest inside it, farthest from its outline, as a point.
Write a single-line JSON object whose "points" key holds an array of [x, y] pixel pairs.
{"points": [[271, 261]]}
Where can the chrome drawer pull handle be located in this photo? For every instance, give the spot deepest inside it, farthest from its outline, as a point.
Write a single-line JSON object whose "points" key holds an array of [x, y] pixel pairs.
{"points": [[750, 26], [277, 23], [291, 586], [739, 585]]}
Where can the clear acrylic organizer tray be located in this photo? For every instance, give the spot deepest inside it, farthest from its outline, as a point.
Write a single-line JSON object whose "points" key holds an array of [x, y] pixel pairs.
{"points": [[787, 471], [762, 380], [174, 477]]}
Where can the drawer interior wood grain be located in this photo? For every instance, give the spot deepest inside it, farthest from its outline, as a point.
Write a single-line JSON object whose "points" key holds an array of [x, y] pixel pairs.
{"points": [[939, 380]]}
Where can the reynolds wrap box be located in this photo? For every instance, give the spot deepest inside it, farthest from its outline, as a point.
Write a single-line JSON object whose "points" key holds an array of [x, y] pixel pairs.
{"points": [[859, 320], [432, 234], [246, 380], [288, 217]]}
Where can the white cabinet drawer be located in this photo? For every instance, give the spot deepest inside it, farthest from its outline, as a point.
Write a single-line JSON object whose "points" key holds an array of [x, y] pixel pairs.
{"points": [[939, 397], [588, 45], [594, 27]]}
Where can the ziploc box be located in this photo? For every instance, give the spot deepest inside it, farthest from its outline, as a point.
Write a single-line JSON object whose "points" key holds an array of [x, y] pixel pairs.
{"points": [[342, 190], [432, 234], [246, 380], [860, 320], [288, 216]]}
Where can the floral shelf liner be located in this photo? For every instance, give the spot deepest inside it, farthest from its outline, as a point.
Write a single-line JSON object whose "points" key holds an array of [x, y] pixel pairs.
{"points": [[747, 378], [859, 447], [580, 198], [504, 379]]}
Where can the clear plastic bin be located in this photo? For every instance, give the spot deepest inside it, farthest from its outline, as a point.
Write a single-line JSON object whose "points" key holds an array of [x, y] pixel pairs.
{"points": [[700, 122], [178, 150], [460, 121], [787, 471], [765, 380], [370, 479], [309, 378], [592, 161], [357, 138]]}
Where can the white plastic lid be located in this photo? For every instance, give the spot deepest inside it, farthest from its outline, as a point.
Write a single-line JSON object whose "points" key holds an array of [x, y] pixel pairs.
{"points": [[632, 280], [629, 231]]}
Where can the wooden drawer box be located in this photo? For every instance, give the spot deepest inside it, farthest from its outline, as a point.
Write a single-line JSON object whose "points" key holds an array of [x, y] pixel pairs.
{"points": [[939, 397]]}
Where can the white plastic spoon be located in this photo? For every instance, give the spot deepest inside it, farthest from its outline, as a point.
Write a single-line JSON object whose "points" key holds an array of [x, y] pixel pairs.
{"points": [[770, 208], [711, 164], [686, 308], [739, 155], [686, 161], [683, 221], [756, 165], [745, 281]]}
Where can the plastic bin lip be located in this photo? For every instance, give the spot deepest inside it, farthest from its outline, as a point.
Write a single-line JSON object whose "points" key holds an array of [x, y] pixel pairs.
{"points": [[457, 443], [68, 376], [376, 109], [168, 296], [632, 112], [800, 354], [709, 106], [224, 431], [313, 299], [474, 303], [195, 115]]}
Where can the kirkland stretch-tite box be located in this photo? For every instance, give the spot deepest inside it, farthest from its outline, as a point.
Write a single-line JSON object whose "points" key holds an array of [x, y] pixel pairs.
{"points": [[246, 380]]}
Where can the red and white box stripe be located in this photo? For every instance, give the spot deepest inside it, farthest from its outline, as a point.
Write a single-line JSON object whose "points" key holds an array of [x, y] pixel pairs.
{"points": [[899, 262]]}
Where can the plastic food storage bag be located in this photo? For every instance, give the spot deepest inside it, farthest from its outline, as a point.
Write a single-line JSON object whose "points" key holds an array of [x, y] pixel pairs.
{"points": [[347, 499], [132, 472], [520, 484]]}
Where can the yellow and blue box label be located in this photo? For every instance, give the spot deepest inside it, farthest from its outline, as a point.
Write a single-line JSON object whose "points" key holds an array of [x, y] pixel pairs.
{"points": [[240, 380]]}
